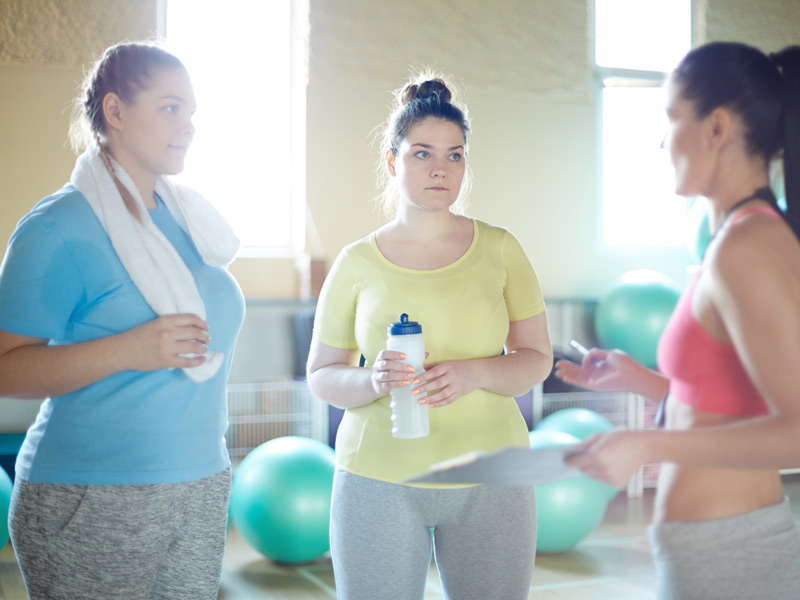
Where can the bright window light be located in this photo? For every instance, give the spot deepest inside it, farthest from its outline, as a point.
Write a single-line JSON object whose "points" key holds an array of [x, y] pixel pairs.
{"points": [[639, 205], [649, 35], [637, 43], [237, 53]]}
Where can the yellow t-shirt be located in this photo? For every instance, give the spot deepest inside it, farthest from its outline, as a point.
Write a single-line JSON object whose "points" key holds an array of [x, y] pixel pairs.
{"points": [[464, 309]]}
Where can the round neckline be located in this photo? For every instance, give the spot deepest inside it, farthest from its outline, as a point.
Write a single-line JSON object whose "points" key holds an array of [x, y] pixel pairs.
{"points": [[159, 205], [458, 261]]}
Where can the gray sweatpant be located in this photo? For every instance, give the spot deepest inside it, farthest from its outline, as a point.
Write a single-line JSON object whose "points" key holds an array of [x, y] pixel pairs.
{"points": [[752, 556], [484, 540], [131, 542]]}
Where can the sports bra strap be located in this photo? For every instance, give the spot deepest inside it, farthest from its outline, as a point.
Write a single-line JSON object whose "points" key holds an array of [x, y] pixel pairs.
{"points": [[761, 210]]}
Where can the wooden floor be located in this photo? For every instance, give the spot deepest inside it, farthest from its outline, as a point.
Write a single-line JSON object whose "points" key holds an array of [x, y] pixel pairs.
{"points": [[613, 562]]}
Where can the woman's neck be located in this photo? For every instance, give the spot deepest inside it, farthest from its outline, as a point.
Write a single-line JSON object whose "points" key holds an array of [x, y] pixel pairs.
{"points": [[737, 184], [144, 180], [425, 225]]}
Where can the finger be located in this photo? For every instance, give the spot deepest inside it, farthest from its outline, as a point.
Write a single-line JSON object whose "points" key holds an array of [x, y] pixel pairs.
{"points": [[394, 378], [442, 401], [192, 333], [193, 348], [187, 362], [391, 355], [186, 320]]}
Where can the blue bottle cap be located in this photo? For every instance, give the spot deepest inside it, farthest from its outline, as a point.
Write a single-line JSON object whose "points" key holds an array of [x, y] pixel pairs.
{"points": [[404, 326]]}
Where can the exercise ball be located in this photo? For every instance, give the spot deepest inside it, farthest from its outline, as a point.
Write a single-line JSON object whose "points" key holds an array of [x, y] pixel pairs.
{"points": [[633, 313], [5, 501], [281, 499], [568, 510], [698, 233], [580, 422]]}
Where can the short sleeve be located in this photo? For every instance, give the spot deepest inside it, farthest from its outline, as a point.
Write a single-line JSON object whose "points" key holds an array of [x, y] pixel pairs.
{"points": [[40, 284], [334, 322], [523, 293]]}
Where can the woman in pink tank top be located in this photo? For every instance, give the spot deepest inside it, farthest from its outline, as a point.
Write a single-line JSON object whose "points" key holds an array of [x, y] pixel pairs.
{"points": [[722, 527]]}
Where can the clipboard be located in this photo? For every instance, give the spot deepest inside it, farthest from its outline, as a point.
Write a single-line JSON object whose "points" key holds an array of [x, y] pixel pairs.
{"points": [[509, 466]]}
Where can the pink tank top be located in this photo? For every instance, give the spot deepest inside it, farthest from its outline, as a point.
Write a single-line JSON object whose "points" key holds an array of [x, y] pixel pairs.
{"points": [[705, 373]]}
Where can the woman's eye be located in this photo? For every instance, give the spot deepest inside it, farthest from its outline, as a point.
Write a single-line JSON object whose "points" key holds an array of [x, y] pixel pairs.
{"points": [[422, 154], [455, 157], [172, 108]]}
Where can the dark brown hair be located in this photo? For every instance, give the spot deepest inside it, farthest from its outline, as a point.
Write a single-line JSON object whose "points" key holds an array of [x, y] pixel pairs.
{"points": [[763, 90]]}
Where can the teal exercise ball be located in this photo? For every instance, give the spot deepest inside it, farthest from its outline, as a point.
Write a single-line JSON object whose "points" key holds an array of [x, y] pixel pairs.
{"points": [[633, 312], [567, 511], [698, 231], [5, 501], [281, 499], [580, 422]]}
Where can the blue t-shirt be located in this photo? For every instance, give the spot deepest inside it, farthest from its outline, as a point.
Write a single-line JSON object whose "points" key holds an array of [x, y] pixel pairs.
{"points": [[61, 280]]}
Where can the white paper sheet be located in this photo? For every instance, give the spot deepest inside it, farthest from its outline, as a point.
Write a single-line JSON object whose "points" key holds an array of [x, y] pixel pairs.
{"points": [[509, 466]]}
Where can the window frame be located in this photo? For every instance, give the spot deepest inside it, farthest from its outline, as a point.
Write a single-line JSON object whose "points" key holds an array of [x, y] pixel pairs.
{"points": [[630, 78]]}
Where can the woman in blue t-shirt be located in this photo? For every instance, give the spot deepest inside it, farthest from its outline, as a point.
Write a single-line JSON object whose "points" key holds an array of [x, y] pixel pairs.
{"points": [[111, 291]]}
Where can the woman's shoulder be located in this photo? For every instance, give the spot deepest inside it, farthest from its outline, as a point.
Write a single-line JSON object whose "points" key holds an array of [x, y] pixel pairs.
{"points": [[754, 238], [495, 235], [756, 252], [65, 211], [491, 229], [360, 247], [66, 203]]}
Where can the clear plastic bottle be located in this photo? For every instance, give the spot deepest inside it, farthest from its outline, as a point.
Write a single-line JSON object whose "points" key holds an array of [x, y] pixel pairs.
{"points": [[409, 418]]}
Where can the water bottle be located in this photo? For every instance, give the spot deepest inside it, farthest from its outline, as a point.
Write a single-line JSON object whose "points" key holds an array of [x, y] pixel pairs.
{"points": [[409, 418]]}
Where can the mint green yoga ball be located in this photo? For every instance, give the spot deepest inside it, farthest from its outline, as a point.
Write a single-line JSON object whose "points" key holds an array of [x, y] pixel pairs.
{"points": [[281, 499], [6, 488], [567, 511], [580, 422], [633, 313]]}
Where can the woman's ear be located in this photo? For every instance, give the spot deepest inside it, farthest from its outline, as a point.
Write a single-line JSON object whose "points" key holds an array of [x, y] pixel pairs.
{"points": [[390, 162], [720, 127], [112, 110]]}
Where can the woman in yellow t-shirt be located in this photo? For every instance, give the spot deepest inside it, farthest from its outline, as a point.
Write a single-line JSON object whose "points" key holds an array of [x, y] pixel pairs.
{"points": [[476, 295]]}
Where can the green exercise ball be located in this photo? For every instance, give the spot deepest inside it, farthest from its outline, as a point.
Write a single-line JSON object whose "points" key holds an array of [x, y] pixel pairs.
{"points": [[698, 233], [5, 501], [569, 510], [581, 423], [281, 499], [633, 313]]}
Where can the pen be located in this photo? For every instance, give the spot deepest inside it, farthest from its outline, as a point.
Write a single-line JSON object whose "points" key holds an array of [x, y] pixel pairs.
{"points": [[579, 347]]}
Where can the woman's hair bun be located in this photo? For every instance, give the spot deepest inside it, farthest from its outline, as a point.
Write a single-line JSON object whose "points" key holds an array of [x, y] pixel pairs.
{"points": [[426, 89]]}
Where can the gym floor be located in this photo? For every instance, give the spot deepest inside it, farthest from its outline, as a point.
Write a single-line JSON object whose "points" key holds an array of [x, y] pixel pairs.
{"points": [[613, 562]]}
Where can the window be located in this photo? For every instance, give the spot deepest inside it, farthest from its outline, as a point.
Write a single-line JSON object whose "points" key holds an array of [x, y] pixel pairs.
{"points": [[637, 43], [247, 154]]}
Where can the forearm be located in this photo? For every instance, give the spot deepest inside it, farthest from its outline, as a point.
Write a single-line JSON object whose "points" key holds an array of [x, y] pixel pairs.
{"points": [[512, 374], [38, 371], [343, 386], [758, 443], [650, 384]]}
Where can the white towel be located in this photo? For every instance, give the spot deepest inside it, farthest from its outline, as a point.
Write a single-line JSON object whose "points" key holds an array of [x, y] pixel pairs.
{"points": [[152, 262]]}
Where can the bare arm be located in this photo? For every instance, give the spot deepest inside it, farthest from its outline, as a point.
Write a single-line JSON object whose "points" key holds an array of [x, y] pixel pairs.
{"points": [[744, 277], [333, 375], [334, 378], [29, 368], [527, 361], [613, 371], [755, 289]]}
